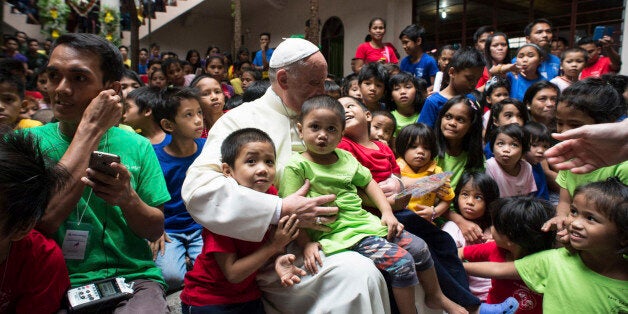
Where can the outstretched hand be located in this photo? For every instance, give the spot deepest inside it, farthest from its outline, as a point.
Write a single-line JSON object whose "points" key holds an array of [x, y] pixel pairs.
{"points": [[311, 212], [589, 147], [287, 271]]}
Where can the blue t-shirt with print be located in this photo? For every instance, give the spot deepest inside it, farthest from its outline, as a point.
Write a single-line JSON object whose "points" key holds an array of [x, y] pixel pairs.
{"points": [[425, 68]]}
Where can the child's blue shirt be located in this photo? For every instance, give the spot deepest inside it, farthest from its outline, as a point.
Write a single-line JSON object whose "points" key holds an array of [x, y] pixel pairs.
{"points": [[177, 219], [519, 85], [432, 106], [425, 68], [542, 191]]}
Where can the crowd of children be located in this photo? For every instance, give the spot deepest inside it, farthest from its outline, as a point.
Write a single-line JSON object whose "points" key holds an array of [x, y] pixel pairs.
{"points": [[487, 124]]}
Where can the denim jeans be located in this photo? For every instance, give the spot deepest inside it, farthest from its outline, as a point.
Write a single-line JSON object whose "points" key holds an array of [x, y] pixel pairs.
{"points": [[451, 274], [172, 263]]}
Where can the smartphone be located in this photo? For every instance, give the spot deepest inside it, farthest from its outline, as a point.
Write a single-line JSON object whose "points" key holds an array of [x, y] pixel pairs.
{"points": [[101, 161], [601, 31]]}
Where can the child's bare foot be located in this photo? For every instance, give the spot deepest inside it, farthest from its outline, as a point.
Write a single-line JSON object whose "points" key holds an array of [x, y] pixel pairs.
{"points": [[441, 302]]}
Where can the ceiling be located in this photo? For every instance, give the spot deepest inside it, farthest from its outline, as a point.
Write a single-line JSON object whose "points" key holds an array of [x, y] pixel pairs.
{"points": [[511, 16]]}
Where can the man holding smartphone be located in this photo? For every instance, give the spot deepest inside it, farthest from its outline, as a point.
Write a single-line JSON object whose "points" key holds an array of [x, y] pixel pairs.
{"points": [[101, 221], [598, 64]]}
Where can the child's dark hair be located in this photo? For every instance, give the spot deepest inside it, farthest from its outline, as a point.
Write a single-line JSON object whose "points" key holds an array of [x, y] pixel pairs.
{"points": [[491, 86], [157, 71], [497, 108], [618, 81], [132, 75], [361, 104], [165, 65], [171, 101], [257, 75], [323, 102], [589, 40], [212, 57], [520, 219], [256, 90], [610, 198], [575, 50], [537, 132], [472, 141], [537, 87], [403, 78], [443, 48], [413, 31], [233, 102], [465, 58], [346, 83], [233, 143], [331, 86], [516, 132], [410, 133], [561, 39], [539, 50], [13, 81], [373, 70], [489, 188], [28, 180], [596, 99], [154, 61], [145, 97], [200, 77], [392, 68], [383, 113]]}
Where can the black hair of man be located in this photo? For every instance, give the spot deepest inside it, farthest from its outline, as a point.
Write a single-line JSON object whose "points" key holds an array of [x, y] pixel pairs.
{"points": [[109, 56], [528, 29]]}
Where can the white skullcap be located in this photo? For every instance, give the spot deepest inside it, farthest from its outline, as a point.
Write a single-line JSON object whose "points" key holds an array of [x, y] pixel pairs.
{"points": [[290, 51]]}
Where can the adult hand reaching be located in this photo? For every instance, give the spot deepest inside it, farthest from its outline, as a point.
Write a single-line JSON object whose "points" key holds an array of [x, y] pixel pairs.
{"points": [[590, 147], [310, 211]]}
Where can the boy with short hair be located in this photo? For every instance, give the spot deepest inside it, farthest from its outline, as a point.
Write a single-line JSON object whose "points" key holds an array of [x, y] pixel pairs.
{"points": [[372, 82], [418, 63], [35, 277], [12, 103], [138, 114], [223, 277], [464, 72], [179, 114]]}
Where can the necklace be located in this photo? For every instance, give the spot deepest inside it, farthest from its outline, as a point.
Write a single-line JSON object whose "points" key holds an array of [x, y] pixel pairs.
{"points": [[80, 215], [297, 143]]}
